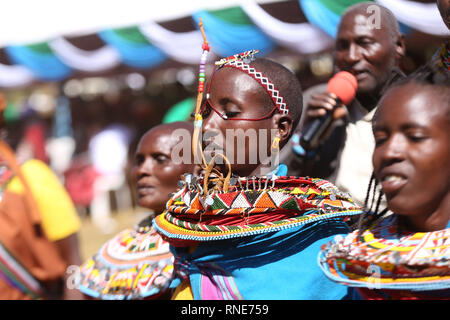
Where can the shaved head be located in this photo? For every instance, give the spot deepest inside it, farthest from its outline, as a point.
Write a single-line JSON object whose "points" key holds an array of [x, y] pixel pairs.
{"points": [[168, 128], [388, 21], [286, 82]]}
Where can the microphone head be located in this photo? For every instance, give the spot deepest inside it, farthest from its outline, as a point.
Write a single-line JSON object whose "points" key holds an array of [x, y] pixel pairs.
{"points": [[344, 85]]}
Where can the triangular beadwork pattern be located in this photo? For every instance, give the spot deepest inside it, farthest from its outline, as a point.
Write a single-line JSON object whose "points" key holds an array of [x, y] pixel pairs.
{"points": [[290, 203], [251, 196], [227, 198], [218, 203], [264, 201], [241, 202]]}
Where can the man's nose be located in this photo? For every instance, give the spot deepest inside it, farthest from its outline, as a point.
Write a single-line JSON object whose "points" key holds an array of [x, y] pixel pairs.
{"points": [[354, 54]]}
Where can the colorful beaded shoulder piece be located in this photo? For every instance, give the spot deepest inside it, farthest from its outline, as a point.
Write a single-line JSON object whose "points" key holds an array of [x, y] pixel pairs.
{"points": [[135, 264], [385, 258], [251, 206]]}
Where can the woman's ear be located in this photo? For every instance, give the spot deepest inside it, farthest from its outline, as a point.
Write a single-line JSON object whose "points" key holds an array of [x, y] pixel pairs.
{"points": [[284, 125], [400, 47]]}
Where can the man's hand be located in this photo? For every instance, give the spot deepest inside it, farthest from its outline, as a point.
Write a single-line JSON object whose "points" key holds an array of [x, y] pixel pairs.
{"points": [[319, 104]]}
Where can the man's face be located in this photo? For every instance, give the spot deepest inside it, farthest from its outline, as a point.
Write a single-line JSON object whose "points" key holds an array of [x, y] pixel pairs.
{"points": [[365, 51]]}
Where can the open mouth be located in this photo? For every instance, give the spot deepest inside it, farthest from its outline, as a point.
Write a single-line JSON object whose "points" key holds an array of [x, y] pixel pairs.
{"points": [[392, 183]]}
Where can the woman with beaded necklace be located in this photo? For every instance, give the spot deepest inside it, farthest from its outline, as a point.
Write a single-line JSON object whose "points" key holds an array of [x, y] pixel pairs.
{"points": [[136, 263], [237, 234], [403, 253]]}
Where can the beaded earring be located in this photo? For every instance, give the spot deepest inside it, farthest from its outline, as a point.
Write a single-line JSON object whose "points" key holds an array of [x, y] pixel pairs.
{"points": [[275, 152]]}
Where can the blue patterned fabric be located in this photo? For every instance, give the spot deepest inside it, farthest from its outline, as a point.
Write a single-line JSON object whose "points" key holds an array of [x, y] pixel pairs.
{"points": [[278, 265]]}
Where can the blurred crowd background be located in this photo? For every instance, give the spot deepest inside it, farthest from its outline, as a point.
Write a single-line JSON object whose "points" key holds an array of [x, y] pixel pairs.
{"points": [[80, 100]]}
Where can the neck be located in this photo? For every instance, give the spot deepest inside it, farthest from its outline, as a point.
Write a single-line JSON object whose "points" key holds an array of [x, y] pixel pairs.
{"points": [[368, 101], [437, 220], [158, 211]]}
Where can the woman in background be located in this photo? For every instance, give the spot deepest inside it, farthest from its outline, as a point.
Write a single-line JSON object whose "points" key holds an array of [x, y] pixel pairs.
{"points": [[137, 263]]}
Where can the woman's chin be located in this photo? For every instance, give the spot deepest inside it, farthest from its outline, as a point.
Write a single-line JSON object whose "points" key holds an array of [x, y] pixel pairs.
{"points": [[151, 203]]}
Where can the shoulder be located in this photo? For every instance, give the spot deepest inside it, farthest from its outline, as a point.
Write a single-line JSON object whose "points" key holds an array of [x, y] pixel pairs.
{"points": [[35, 172], [36, 169]]}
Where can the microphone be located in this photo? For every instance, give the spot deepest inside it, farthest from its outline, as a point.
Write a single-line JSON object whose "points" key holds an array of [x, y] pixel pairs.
{"points": [[344, 85]]}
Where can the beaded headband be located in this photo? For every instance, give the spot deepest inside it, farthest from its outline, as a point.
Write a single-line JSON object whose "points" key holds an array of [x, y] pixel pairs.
{"points": [[240, 62]]}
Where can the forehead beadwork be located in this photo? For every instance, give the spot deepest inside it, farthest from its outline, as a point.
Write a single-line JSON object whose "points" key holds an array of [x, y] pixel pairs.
{"points": [[241, 62]]}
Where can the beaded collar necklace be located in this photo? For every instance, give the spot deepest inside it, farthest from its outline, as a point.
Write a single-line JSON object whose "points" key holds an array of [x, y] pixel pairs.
{"points": [[249, 206], [385, 258]]}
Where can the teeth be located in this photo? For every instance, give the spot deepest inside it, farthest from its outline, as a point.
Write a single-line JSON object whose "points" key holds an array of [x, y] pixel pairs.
{"points": [[392, 178]]}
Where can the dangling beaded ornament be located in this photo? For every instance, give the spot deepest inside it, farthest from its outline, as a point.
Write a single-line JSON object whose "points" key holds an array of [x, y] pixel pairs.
{"points": [[202, 68], [198, 120]]}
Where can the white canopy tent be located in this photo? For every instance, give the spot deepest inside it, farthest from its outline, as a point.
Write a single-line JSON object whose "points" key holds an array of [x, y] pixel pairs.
{"points": [[25, 21]]}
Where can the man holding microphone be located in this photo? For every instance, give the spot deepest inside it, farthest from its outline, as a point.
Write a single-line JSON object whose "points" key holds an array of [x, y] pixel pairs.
{"points": [[371, 52]]}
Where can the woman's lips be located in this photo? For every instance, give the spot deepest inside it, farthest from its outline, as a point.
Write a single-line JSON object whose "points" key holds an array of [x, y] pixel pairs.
{"points": [[145, 190], [392, 183]]}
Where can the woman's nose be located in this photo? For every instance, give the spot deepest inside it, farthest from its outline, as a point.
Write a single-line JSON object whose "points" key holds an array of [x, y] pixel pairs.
{"points": [[146, 167], [212, 122], [394, 148]]}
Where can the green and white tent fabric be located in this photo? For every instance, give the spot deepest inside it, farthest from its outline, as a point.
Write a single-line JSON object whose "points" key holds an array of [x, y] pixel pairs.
{"points": [[232, 29]]}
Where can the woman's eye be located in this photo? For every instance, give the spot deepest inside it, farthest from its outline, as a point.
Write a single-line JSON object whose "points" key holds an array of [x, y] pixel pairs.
{"points": [[380, 138], [231, 114], [416, 135], [378, 142], [139, 159], [206, 112], [161, 158]]}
